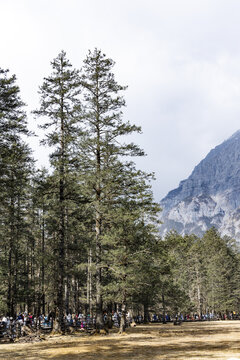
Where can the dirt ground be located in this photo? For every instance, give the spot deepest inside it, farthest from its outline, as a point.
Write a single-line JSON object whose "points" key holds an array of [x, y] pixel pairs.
{"points": [[204, 340]]}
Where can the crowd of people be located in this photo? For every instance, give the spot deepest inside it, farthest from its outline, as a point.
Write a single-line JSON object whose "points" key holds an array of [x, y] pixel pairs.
{"points": [[16, 327], [19, 325], [194, 317]]}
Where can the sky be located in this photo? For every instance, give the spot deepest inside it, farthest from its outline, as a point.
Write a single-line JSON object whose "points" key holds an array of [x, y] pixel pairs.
{"points": [[179, 58]]}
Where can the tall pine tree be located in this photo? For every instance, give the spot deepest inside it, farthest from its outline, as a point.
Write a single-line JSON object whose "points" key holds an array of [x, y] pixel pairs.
{"points": [[15, 171], [60, 103], [99, 146]]}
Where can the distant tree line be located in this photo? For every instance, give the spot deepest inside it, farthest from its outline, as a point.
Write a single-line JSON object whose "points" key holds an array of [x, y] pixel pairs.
{"points": [[83, 236], [203, 273]]}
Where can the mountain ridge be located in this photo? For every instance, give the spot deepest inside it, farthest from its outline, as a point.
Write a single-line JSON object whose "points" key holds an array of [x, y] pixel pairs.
{"points": [[210, 196]]}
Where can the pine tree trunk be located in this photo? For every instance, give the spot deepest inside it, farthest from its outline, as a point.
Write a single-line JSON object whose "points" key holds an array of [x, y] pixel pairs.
{"points": [[67, 278], [89, 283], [99, 302], [61, 258], [61, 262], [146, 312], [76, 295], [28, 277], [164, 308], [43, 265], [123, 317], [199, 300], [10, 277], [11, 263], [99, 313]]}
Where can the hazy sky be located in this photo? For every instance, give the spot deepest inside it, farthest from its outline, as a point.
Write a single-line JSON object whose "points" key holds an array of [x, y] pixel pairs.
{"points": [[180, 59]]}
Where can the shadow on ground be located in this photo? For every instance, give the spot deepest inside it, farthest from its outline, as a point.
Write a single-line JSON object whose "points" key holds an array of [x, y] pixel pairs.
{"points": [[150, 342]]}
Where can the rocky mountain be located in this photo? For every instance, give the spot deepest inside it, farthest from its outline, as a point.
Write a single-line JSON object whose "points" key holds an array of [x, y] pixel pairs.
{"points": [[209, 197]]}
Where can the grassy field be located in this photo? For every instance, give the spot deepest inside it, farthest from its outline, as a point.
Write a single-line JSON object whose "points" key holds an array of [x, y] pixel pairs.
{"points": [[204, 340]]}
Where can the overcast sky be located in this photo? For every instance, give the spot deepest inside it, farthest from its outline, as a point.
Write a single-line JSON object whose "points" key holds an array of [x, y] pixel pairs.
{"points": [[180, 59]]}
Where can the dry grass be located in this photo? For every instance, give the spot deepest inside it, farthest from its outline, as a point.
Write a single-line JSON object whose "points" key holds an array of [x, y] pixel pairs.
{"points": [[207, 340]]}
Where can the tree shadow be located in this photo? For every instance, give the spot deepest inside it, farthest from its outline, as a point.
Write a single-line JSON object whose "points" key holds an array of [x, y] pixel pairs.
{"points": [[133, 346]]}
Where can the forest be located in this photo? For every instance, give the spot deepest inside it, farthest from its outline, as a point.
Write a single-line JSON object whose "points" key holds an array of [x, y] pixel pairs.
{"points": [[82, 235]]}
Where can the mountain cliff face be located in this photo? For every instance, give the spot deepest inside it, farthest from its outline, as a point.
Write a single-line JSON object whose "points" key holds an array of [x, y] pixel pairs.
{"points": [[209, 197]]}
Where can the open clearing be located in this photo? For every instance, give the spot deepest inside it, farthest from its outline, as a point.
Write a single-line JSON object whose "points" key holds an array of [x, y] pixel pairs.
{"points": [[203, 340]]}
